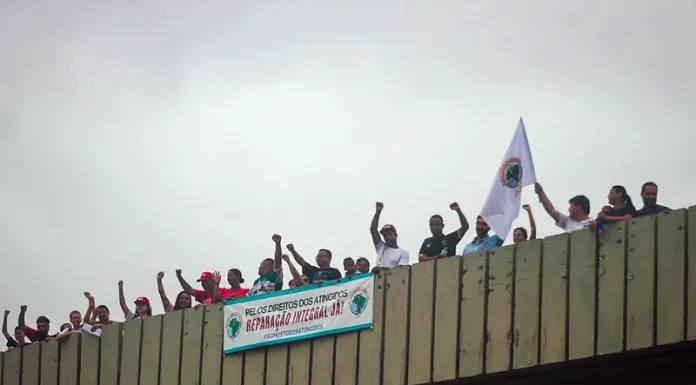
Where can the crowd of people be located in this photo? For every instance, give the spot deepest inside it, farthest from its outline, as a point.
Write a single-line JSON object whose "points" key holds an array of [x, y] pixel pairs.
{"points": [[388, 255]]}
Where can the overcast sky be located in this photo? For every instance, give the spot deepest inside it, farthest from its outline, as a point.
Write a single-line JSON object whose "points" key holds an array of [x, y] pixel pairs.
{"points": [[145, 136]]}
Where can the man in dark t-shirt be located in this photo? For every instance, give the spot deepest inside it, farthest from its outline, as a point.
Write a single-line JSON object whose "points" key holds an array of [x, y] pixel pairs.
{"points": [[441, 245], [320, 273], [649, 194]]}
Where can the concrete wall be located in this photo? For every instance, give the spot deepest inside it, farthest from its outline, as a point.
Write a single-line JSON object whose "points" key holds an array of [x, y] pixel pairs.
{"points": [[562, 298]]}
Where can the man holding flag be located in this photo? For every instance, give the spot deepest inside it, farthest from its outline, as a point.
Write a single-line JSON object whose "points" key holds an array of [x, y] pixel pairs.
{"points": [[504, 200]]}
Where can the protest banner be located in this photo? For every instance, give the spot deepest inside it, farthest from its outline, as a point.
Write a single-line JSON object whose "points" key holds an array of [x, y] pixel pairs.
{"points": [[296, 314]]}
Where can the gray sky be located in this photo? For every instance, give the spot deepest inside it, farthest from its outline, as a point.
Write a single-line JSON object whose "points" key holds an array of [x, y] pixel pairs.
{"points": [[137, 138]]}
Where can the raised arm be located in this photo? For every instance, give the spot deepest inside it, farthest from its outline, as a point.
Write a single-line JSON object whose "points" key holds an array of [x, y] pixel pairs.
{"points": [[4, 326], [374, 225], [545, 202], [90, 308], [163, 296], [463, 223], [184, 285], [532, 223], [20, 318], [278, 254], [217, 296], [122, 298], [298, 258], [293, 271]]}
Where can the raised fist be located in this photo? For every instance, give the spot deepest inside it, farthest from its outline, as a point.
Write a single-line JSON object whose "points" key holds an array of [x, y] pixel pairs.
{"points": [[160, 275], [276, 238], [379, 206], [291, 247], [454, 206], [23, 308], [285, 257], [7, 312], [178, 272], [120, 283], [526, 208], [538, 189]]}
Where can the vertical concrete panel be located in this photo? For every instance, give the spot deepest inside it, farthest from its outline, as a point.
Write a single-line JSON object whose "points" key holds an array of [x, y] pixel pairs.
{"points": [[473, 309], [232, 369], [581, 298], [671, 253], [191, 346], [396, 321], [171, 348], [69, 360], [369, 371], [31, 357], [421, 315], [610, 297], [111, 341], [691, 276], [130, 352], [499, 340], [322, 360], [89, 359], [446, 324], [150, 351], [2, 365], [527, 290], [255, 366], [298, 370], [640, 283], [12, 367], [554, 288], [346, 358], [212, 345], [49, 363], [276, 364]]}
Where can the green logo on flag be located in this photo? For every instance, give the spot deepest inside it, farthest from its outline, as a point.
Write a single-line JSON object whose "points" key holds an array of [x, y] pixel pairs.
{"points": [[511, 173]]}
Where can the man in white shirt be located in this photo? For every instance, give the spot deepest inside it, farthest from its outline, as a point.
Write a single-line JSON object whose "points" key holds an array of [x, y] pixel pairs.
{"points": [[389, 254], [578, 217]]}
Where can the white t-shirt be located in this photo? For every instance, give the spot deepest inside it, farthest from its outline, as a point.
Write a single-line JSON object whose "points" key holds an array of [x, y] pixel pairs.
{"points": [[568, 224], [390, 256]]}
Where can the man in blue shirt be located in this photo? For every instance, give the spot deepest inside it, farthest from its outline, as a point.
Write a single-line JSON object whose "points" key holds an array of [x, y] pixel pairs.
{"points": [[649, 194], [482, 241]]}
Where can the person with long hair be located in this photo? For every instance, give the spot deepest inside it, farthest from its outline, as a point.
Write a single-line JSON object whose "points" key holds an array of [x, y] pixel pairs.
{"points": [[182, 301], [142, 305], [620, 208]]}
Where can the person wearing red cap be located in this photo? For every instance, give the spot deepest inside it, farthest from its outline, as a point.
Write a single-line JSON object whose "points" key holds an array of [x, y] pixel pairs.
{"points": [[142, 305], [210, 283], [389, 254]]}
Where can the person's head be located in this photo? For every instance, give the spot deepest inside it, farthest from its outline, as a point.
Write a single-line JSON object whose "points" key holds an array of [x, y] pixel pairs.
{"points": [[324, 258], [19, 334], [348, 264], [234, 277], [43, 324], [578, 207], [266, 266], [103, 314], [389, 234], [183, 300], [206, 281], [482, 227], [519, 235], [436, 225], [75, 318], [362, 265], [142, 307], [618, 196], [649, 193]]}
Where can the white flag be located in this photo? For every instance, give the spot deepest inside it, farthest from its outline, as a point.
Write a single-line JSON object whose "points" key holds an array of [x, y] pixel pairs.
{"points": [[517, 170]]}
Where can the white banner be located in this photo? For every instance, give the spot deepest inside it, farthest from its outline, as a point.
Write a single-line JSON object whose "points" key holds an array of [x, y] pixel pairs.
{"points": [[298, 314]]}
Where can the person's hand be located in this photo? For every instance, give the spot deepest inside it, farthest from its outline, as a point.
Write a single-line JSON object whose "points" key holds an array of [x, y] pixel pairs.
{"points": [[454, 206], [120, 284], [666, 211], [602, 215], [318, 282], [160, 275], [7, 312], [527, 208], [379, 206], [291, 247], [276, 238], [538, 189], [89, 296], [178, 272], [217, 278], [605, 209], [23, 308], [423, 258], [376, 269], [285, 257]]}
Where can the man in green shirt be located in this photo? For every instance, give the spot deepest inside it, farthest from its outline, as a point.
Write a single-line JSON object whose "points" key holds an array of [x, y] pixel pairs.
{"points": [[270, 272]]}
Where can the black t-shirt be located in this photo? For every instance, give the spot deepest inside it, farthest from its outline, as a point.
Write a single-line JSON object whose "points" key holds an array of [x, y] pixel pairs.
{"points": [[320, 273], [650, 210], [620, 212], [441, 245]]}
